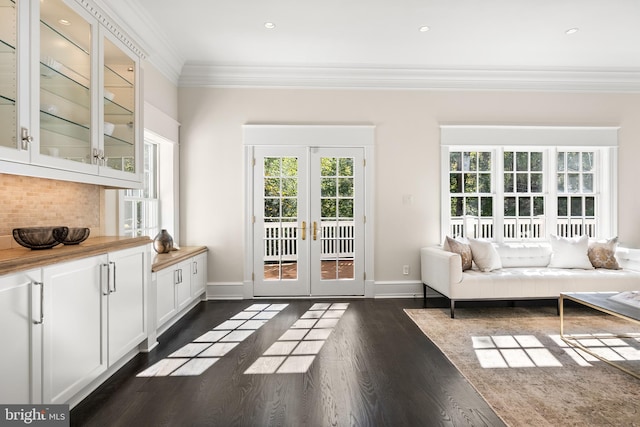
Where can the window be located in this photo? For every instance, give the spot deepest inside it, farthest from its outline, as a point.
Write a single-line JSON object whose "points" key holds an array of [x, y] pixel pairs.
{"points": [[141, 215], [524, 200], [471, 191], [526, 191], [576, 177]]}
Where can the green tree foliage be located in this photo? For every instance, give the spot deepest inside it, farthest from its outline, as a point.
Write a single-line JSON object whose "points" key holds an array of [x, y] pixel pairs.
{"points": [[469, 178], [281, 187], [336, 187]]}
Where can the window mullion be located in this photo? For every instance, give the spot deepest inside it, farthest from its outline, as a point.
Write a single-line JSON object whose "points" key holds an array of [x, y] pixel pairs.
{"points": [[551, 193], [498, 206]]}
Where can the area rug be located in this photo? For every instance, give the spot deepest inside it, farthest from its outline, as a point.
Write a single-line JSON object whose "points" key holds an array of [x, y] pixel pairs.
{"points": [[516, 360]]}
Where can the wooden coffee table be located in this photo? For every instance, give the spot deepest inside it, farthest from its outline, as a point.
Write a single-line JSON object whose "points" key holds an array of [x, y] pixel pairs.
{"points": [[600, 301]]}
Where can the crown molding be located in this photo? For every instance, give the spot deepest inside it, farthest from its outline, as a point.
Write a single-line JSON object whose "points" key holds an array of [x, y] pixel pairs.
{"points": [[105, 18], [157, 48], [207, 75]]}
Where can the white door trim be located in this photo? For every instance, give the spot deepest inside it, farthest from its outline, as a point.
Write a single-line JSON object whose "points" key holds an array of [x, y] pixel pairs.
{"points": [[309, 136]]}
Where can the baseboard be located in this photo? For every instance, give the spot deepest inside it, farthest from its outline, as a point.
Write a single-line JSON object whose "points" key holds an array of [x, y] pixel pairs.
{"points": [[225, 291], [386, 289], [398, 289]]}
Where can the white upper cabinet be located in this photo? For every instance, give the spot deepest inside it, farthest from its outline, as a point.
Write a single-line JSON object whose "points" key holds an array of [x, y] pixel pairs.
{"points": [[8, 76], [120, 114], [14, 79], [79, 118], [66, 84]]}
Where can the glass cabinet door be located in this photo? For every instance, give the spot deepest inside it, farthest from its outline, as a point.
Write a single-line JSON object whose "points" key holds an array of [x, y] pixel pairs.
{"points": [[119, 109], [65, 83], [8, 74]]}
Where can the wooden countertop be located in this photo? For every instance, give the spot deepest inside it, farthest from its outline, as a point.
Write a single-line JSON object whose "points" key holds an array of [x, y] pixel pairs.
{"points": [[161, 261], [18, 259]]}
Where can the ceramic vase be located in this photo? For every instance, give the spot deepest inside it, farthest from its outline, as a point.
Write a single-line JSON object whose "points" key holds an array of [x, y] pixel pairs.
{"points": [[163, 242]]}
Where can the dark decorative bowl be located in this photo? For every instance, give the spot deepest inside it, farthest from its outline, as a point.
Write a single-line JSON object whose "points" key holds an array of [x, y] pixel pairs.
{"points": [[40, 237], [76, 235]]}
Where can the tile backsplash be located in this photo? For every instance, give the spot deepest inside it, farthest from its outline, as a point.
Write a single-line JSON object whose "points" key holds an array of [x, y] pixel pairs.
{"points": [[28, 202]]}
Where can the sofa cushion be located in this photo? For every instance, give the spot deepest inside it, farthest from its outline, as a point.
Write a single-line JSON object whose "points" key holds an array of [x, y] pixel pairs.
{"points": [[570, 252], [603, 254], [540, 282], [529, 254], [485, 255], [460, 248]]}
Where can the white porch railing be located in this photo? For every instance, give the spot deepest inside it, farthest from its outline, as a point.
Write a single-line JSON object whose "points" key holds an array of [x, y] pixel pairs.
{"points": [[524, 228], [567, 227], [521, 228], [281, 240], [337, 239]]}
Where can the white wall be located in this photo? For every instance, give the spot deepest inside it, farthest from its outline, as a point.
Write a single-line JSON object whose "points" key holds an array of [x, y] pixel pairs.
{"points": [[159, 92], [407, 157]]}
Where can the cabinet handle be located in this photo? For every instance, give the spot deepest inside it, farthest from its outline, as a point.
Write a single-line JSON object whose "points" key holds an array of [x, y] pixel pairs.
{"points": [[114, 276], [98, 156], [315, 230], [180, 275], [304, 230], [195, 267], [39, 322], [108, 291], [176, 277], [26, 138]]}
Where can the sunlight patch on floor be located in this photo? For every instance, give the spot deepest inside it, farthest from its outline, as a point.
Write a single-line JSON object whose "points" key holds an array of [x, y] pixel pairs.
{"points": [[512, 351], [198, 356], [297, 348], [526, 351], [611, 348]]}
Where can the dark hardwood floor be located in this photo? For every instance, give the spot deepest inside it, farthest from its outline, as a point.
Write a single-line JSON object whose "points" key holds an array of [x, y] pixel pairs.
{"points": [[375, 369]]}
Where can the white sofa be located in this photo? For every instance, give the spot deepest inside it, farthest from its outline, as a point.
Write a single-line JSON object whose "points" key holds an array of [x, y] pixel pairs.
{"points": [[524, 275]]}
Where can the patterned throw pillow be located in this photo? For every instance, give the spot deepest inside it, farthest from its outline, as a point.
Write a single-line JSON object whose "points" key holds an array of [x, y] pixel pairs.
{"points": [[603, 254], [460, 248]]}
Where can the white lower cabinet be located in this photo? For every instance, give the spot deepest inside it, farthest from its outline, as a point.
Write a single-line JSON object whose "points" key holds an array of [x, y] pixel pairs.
{"points": [[198, 274], [65, 325], [174, 290], [183, 287], [177, 287], [74, 334], [166, 305], [20, 334], [128, 270]]}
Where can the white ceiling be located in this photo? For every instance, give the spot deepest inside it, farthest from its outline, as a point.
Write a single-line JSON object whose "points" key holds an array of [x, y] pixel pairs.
{"points": [[379, 40]]}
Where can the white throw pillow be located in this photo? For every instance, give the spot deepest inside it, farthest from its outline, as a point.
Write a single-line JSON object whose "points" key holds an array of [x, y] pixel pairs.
{"points": [[570, 253], [485, 255]]}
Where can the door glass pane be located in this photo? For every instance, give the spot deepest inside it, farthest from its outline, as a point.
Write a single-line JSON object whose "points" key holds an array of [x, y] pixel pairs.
{"points": [[65, 81], [119, 108], [337, 237], [8, 82], [281, 228]]}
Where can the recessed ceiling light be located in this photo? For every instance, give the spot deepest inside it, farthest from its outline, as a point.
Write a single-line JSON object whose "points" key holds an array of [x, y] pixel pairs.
{"points": [[63, 22], [424, 29], [571, 31], [269, 25]]}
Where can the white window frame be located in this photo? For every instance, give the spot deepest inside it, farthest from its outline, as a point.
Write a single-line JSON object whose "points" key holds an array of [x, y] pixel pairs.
{"points": [[148, 204], [548, 139]]}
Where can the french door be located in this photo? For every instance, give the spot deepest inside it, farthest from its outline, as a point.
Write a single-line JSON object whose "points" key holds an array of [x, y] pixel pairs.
{"points": [[308, 221]]}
